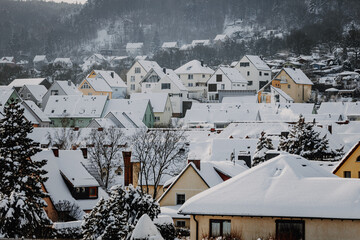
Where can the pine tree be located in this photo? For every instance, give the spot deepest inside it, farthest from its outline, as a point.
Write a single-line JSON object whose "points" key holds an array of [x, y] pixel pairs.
{"points": [[264, 144], [21, 211], [303, 140], [116, 217]]}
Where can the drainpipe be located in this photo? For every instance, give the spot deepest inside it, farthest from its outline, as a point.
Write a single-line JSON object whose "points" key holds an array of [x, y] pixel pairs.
{"points": [[197, 227]]}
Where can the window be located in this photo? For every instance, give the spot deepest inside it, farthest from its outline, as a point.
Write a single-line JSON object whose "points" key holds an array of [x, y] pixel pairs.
{"points": [[266, 74], [21, 95], [137, 70], [212, 87], [85, 86], [190, 84], [220, 228], [28, 95], [244, 64], [222, 86], [93, 192], [203, 76], [180, 224], [218, 78], [358, 159], [54, 92], [165, 86], [180, 199], [290, 229], [347, 174], [250, 83], [148, 85], [289, 86], [157, 119], [260, 73], [132, 78], [190, 76], [248, 73], [132, 87]]}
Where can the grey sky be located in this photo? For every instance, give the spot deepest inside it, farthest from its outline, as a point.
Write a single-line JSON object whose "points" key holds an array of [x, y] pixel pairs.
{"points": [[69, 1]]}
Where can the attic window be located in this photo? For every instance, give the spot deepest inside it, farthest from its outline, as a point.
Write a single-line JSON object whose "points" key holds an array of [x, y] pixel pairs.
{"points": [[358, 159]]}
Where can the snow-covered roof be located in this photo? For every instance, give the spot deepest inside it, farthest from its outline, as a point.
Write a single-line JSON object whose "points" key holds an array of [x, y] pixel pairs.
{"points": [[146, 229], [337, 108], [111, 78], [69, 162], [221, 37], [200, 42], [128, 119], [38, 91], [240, 99], [5, 93], [194, 67], [134, 45], [233, 75], [282, 93], [298, 76], [258, 62], [157, 100], [80, 106], [99, 84], [136, 106], [68, 87], [36, 110], [7, 60], [26, 81], [172, 211], [281, 187], [148, 65], [169, 45], [173, 77], [62, 60], [39, 58]]}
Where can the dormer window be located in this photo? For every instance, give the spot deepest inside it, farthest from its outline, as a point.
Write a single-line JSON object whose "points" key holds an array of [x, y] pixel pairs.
{"points": [[93, 192]]}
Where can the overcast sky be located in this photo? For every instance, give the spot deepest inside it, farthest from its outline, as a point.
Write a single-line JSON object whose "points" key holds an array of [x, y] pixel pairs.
{"points": [[69, 1]]}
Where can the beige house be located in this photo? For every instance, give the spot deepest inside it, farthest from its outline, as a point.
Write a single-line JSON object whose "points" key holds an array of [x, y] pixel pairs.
{"points": [[294, 83], [196, 177], [194, 75], [287, 197]]}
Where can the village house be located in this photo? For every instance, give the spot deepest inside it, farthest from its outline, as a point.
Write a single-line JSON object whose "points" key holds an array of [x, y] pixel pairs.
{"points": [[74, 110], [151, 79], [349, 166], [60, 88], [65, 63], [118, 120], [7, 95], [20, 82], [168, 46], [68, 182], [161, 104], [194, 76], [34, 114], [136, 73], [7, 61], [34, 93], [255, 71], [196, 177], [93, 60], [220, 39], [40, 61], [225, 78], [276, 200], [100, 82]]}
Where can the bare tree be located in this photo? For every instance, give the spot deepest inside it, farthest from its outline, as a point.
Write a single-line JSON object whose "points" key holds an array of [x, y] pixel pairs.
{"points": [[159, 152], [105, 152], [64, 138], [69, 211]]}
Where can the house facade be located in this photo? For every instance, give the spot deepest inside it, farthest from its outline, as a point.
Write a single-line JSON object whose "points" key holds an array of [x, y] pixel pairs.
{"points": [[255, 71], [349, 166], [33, 93], [225, 78], [60, 88], [136, 73]]}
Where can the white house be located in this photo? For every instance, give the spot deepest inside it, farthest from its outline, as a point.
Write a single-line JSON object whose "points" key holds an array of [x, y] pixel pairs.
{"points": [[225, 78], [194, 76], [34, 93], [95, 59], [255, 71], [60, 88], [161, 106], [136, 73], [151, 79]]}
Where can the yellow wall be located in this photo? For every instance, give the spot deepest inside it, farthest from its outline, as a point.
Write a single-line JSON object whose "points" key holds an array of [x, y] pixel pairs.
{"points": [[91, 91], [187, 221], [254, 228], [350, 165], [189, 184], [296, 91]]}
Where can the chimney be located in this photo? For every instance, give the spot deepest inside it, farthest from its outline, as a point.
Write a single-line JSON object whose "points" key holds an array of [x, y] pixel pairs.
{"points": [[164, 70], [69, 82], [195, 162], [55, 151], [330, 129], [112, 74], [84, 152], [128, 171], [202, 63]]}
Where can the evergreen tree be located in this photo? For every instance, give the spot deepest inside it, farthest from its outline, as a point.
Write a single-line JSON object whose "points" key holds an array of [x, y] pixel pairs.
{"points": [[303, 140], [21, 211], [264, 144], [116, 217]]}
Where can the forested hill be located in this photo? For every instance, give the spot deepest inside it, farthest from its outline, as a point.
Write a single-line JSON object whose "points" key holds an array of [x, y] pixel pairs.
{"points": [[35, 27]]}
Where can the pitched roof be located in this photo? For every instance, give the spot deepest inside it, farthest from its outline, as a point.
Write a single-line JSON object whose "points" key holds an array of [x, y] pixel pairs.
{"points": [[233, 75], [258, 62], [38, 91], [68, 87], [81, 106], [99, 84], [346, 157], [36, 110], [169, 45], [220, 37], [286, 186], [5, 93], [136, 106], [39, 58], [194, 67], [134, 45], [282, 93], [175, 79], [111, 78], [26, 81], [147, 65], [298, 76], [157, 100], [62, 60]]}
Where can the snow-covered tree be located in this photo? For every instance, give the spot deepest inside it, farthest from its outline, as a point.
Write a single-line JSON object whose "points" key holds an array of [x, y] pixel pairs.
{"points": [[21, 201], [303, 140], [116, 217], [264, 144]]}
